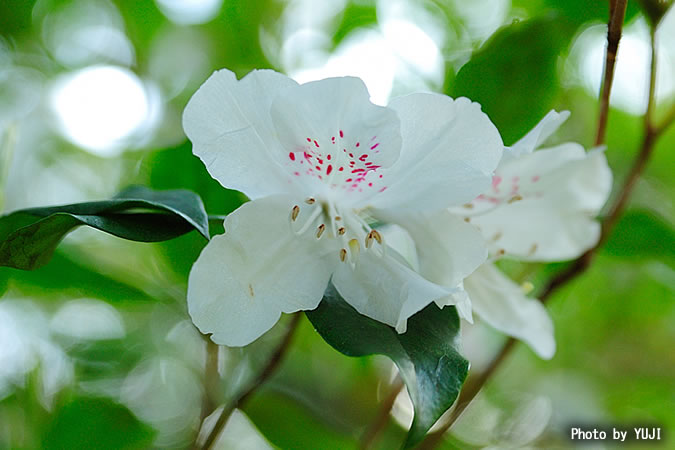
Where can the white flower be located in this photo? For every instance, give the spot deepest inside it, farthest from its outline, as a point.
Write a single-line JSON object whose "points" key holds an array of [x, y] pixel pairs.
{"points": [[323, 166], [541, 207]]}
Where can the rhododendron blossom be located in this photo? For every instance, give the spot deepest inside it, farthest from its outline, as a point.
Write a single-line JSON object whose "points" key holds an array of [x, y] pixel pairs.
{"points": [[540, 206], [325, 169]]}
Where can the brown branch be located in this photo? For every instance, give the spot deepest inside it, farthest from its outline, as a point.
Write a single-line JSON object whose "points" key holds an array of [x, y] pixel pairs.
{"points": [[267, 371], [382, 416], [579, 266], [617, 11]]}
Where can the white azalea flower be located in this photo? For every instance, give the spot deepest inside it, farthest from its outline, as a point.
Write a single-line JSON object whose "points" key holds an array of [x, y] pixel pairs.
{"points": [[322, 165], [541, 206]]}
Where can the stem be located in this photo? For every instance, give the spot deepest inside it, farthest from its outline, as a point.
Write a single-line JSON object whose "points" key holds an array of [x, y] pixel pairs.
{"points": [[617, 11], [579, 266], [267, 371], [381, 419], [211, 379]]}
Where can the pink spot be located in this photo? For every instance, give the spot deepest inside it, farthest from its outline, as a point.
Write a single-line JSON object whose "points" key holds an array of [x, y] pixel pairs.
{"points": [[328, 157], [351, 155], [374, 146], [363, 157], [358, 143], [292, 156], [320, 160], [342, 134], [370, 184], [316, 143], [382, 190], [341, 169], [495, 182], [307, 155], [297, 174], [329, 169], [318, 167], [380, 176], [309, 139], [535, 178], [358, 170], [348, 180]]}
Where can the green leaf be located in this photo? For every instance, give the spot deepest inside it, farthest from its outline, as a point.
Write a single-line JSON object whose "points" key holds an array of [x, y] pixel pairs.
{"points": [[428, 361], [29, 237], [642, 234], [94, 422], [514, 75]]}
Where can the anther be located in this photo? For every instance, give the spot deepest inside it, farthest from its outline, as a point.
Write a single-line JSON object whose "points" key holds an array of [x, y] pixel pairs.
{"points": [[515, 198], [369, 240], [294, 212], [533, 249], [467, 219], [526, 287], [343, 254], [468, 205], [501, 251], [341, 231], [376, 235], [310, 201], [354, 247], [320, 230], [337, 218]]}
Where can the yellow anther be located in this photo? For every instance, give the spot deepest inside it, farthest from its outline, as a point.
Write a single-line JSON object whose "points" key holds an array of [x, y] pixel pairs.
{"points": [[468, 205], [320, 230], [527, 287], [343, 254], [341, 231], [338, 218], [515, 198], [467, 219], [354, 247], [294, 212], [376, 235]]}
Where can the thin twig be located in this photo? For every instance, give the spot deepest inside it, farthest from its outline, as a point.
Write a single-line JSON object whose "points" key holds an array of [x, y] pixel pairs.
{"points": [[382, 416], [270, 367], [650, 136], [617, 12]]}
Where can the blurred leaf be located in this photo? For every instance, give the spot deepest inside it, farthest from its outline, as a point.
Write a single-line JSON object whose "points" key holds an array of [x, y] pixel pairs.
{"points": [[29, 237], [296, 427], [514, 75], [642, 233], [583, 11], [355, 15], [100, 423], [428, 361]]}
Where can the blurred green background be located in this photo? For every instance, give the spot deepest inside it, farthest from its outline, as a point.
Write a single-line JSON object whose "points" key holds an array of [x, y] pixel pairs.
{"points": [[96, 348]]}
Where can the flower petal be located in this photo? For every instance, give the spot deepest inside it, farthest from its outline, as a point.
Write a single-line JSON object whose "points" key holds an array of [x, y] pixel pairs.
{"points": [[385, 289], [546, 204], [244, 279], [450, 149], [229, 124], [330, 130], [545, 128], [501, 303]]}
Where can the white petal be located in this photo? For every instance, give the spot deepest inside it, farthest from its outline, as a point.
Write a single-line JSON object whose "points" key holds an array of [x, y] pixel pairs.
{"points": [[450, 149], [545, 128], [385, 289], [332, 123], [561, 190], [229, 124], [259, 268], [502, 304]]}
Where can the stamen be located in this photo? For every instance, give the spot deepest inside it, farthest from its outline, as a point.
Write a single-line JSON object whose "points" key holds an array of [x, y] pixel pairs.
{"points": [[354, 247], [369, 240], [343, 254], [337, 218], [501, 251], [294, 212], [341, 231], [320, 230], [515, 198], [376, 235], [310, 200], [467, 219], [312, 218]]}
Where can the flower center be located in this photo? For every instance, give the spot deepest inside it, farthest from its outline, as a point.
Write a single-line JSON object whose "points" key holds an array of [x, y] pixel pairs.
{"points": [[325, 218], [340, 163]]}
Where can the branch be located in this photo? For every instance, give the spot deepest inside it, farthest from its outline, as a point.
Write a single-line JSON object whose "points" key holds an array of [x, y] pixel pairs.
{"points": [[263, 376], [376, 426], [579, 266], [617, 11]]}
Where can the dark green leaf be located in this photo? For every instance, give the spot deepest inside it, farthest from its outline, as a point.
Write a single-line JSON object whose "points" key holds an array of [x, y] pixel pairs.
{"points": [[642, 233], [655, 10], [429, 363], [580, 12], [93, 422], [514, 75], [355, 15], [28, 237]]}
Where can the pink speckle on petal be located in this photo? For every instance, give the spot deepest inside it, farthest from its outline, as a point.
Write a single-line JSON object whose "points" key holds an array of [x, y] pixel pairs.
{"points": [[535, 178], [374, 146], [292, 156], [342, 134], [309, 139], [329, 169], [495, 182]]}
